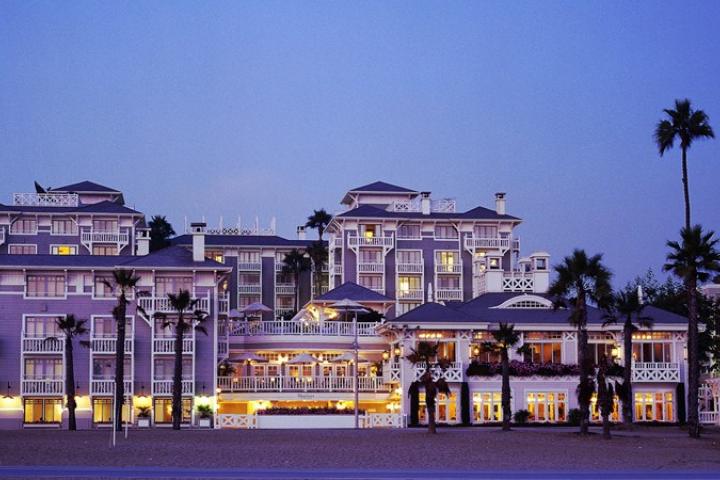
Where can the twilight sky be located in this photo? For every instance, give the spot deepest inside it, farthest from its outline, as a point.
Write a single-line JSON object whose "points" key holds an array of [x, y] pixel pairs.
{"points": [[274, 108]]}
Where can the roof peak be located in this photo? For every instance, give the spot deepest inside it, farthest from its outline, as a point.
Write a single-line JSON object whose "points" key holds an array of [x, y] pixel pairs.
{"points": [[380, 186]]}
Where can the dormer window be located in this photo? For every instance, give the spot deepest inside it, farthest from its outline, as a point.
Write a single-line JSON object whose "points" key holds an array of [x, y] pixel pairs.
{"points": [[494, 263], [540, 264], [369, 230]]}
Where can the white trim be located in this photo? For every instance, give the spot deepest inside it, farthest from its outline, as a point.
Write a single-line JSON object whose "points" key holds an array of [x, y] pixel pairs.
{"points": [[525, 297], [22, 245]]}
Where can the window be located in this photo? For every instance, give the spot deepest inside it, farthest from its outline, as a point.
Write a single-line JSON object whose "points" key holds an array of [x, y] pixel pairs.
{"points": [[106, 250], [245, 300], [249, 279], [445, 408], [544, 347], [487, 407], [108, 226], [447, 258], [41, 327], [412, 257], [595, 410], [598, 350], [102, 410], [165, 285], [285, 279], [216, 255], [64, 226], [249, 257], [485, 231], [24, 249], [479, 353], [652, 347], [43, 410], [101, 290], [448, 282], [373, 282], [104, 327], [404, 307], [540, 264], [104, 368], [63, 250], [654, 407], [369, 231], [446, 232], [547, 406], [24, 226], [46, 286], [407, 283], [46, 368], [409, 232], [162, 410], [165, 368], [368, 255]]}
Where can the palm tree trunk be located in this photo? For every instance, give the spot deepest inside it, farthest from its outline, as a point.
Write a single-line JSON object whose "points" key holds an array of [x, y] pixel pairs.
{"points": [[505, 390], [70, 383], [430, 407], [686, 187], [177, 374], [693, 360], [606, 425], [627, 402], [584, 370], [120, 361], [297, 292]]}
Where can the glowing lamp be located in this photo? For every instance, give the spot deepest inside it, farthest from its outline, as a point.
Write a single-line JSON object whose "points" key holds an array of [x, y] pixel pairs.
{"points": [[397, 351], [385, 355]]}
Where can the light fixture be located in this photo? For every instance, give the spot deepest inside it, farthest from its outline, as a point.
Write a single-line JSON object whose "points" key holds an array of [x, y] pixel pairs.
{"points": [[476, 350], [386, 355], [142, 391], [397, 351], [8, 395], [615, 351]]}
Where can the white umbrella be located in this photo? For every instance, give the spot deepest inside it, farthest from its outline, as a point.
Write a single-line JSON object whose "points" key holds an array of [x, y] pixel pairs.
{"points": [[247, 357], [347, 305], [255, 308], [348, 357], [303, 358], [234, 314]]}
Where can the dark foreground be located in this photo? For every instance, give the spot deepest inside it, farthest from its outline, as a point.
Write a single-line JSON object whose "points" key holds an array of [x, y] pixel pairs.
{"points": [[662, 452]]}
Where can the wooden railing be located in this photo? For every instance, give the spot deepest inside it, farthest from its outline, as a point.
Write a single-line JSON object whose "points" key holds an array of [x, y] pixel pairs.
{"points": [[286, 327], [361, 241], [94, 236], [44, 386], [454, 372], [108, 344], [163, 305], [106, 386], [371, 267], [165, 386], [285, 289], [410, 268], [448, 294], [300, 384], [43, 344], [45, 199], [249, 266], [167, 345], [655, 372], [448, 267], [411, 294], [249, 289]]}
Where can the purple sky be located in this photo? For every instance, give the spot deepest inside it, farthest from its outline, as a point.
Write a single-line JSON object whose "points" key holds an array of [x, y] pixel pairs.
{"points": [[273, 108]]}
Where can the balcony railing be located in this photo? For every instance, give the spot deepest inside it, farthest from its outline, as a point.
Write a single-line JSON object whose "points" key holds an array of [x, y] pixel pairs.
{"points": [[94, 236], [336, 242], [286, 327], [391, 372], [410, 268], [337, 269], [284, 311], [362, 241], [167, 345], [655, 372], [448, 294], [249, 289], [163, 305], [45, 199], [49, 386], [454, 372], [371, 267], [224, 303], [250, 266], [285, 289], [411, 294], [301, 384], [448, 268], [495, 243], [108, 345], [43, 344], [2, 235], [106, 386], [518, 282], [164, 387]]}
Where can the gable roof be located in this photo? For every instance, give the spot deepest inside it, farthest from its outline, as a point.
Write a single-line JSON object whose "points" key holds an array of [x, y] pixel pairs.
{"points": [[382, 187], [432, 312], [355, 292], [85, 186], [477, 213], [244, 240]]}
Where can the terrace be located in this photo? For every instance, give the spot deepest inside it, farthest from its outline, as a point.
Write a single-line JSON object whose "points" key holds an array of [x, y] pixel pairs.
{"points": [[303, 328], [46, 199], [301, 384]]}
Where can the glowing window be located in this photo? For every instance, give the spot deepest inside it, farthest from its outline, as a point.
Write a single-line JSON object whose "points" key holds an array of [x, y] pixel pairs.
{"points": [[63, 250]]}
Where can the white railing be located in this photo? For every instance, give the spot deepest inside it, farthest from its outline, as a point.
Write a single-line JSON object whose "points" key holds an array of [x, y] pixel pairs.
{"points": [[382, 420], [497, 243], [222, 349], [285, 289], [94, 236], [282, 312], [50, 386], [448, 268], [108, 344], [445, 294], [236, 420], [165, 387], [300, 384], [249, 289], [106, 386], [337, 269], [655, 372], [43, 344], [323, 290], [441, 205], [454, 372], [45, 199], [224, 303], [361, 241], [518, 282], [2, 235], [410, 268], [391, 372], [411, 294], [167, 345], [287, 327], [336, 242], [163, 305], [279, 266], [371, 267], [250, 266], [709, 418]]}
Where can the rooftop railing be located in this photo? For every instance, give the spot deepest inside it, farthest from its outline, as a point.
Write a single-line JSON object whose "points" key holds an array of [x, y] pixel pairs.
{"points": [[45, 199], [301, 384], [306, 328]]}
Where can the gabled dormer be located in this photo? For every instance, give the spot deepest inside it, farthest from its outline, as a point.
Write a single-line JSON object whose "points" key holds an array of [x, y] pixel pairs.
{"points": [[378, 194]]}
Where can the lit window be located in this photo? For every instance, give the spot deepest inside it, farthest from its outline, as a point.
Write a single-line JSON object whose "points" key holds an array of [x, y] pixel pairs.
{"points": [[369, 234], [63, 250]]}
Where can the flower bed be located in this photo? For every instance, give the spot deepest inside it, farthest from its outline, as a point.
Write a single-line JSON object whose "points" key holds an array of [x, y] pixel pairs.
{"points": [[522, 369], [307, 411]]}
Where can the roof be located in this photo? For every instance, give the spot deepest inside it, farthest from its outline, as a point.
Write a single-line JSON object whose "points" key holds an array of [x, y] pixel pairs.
{"points": [[105, 206], [355, 292], [244, 240], [434, 312], [383, 187], [173, 257], [477, 213], [85, 186]]}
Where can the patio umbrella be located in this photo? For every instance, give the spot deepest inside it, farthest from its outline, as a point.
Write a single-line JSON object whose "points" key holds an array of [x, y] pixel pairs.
{"points": [[234, 314], [348, 357], [255, 308], [347, 305], [303, 358], [247, 357]]}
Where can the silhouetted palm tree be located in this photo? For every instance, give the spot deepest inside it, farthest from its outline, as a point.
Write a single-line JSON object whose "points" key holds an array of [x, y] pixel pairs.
{"points": [[687, 125], [426, 354], [295, 263], [626, 307], [185, 318], [694, 260], [319, 220], [505, 338], [160, 232], [72, 328], [605, 394], [318, 253], [581, 278]]}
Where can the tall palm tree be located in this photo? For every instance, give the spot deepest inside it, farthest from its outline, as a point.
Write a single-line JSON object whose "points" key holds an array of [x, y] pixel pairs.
{"points": [[318, 253], [426, 354], [160, 232], [71, 327], [581, 279], [687, 125], [295, 263], [123, 282], [605, 394], [694, 260], [186, 317], [625, 306], [505, 338], [319, 220]]}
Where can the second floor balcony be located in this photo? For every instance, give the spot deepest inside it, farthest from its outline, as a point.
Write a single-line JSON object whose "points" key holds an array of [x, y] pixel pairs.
{"points": [[162, 304], [301, 384], [35, 344], [655, 372], [448, 294], [166, 345], [98, 236], [106, 386], [104, 344], [492, 243], [303, 328], [164, 387], [42, 386]]}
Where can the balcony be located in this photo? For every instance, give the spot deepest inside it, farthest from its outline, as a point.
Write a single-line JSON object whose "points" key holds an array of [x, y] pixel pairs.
{"points": [[108, 344], [282, 312], [655, 372], [43, 386], [337, 269], [162, 305], [371, 267], [409, 268], [336, 242], [2, 235], [43, 344], [492, 243], [410, 294], [165, 386], [391, 372], [361, 241], [224, 303], [446, 294], [448, 268], [454, 372], [106, 386], [249, 289], [323, 290], [518, 282], [284, 289], [45, 199], [303, 328], [301, 384], [249, 266], [167, 345], [93, 236]]}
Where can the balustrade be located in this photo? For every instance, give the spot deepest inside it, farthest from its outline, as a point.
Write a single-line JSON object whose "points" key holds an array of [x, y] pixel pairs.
{"points": [[43, 344], [287, 327], [43, 386], [106, 386], [167, 345], [300, 384], [165, 386], [108, 344], [655, 372]]}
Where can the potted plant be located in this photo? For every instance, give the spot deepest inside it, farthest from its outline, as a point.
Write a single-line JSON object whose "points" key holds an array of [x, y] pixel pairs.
{"points": [[143, 417], [206, 414]]}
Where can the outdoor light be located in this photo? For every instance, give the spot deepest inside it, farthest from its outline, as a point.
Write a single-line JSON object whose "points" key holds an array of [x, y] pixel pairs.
{"points": [[386, 355], [142, 391], [8, 395], [476, 350], [397, 351], [615, 351]]}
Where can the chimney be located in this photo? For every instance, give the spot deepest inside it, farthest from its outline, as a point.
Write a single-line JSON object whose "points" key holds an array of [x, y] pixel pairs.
{"points": [[641, 296], [198, 237], [142, 241], [425, 203], [500, 203], [301, 232]]}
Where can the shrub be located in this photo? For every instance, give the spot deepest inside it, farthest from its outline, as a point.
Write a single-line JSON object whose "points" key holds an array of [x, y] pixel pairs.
{"points": [[205, 411], [307, 411], [143, 412], [522, 369], [521, 417], [574, 417]]}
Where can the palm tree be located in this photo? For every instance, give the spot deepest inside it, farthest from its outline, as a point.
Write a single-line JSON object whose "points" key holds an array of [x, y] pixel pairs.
{"points": [[319, 220], [505, 338], [295, 263], [72, 328], [625, 306], [426, 354], [318, 253], [185, 318], [605, 394], [581, 279], [687, 125], [694, 260], [123, 282], [160, 232]]}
